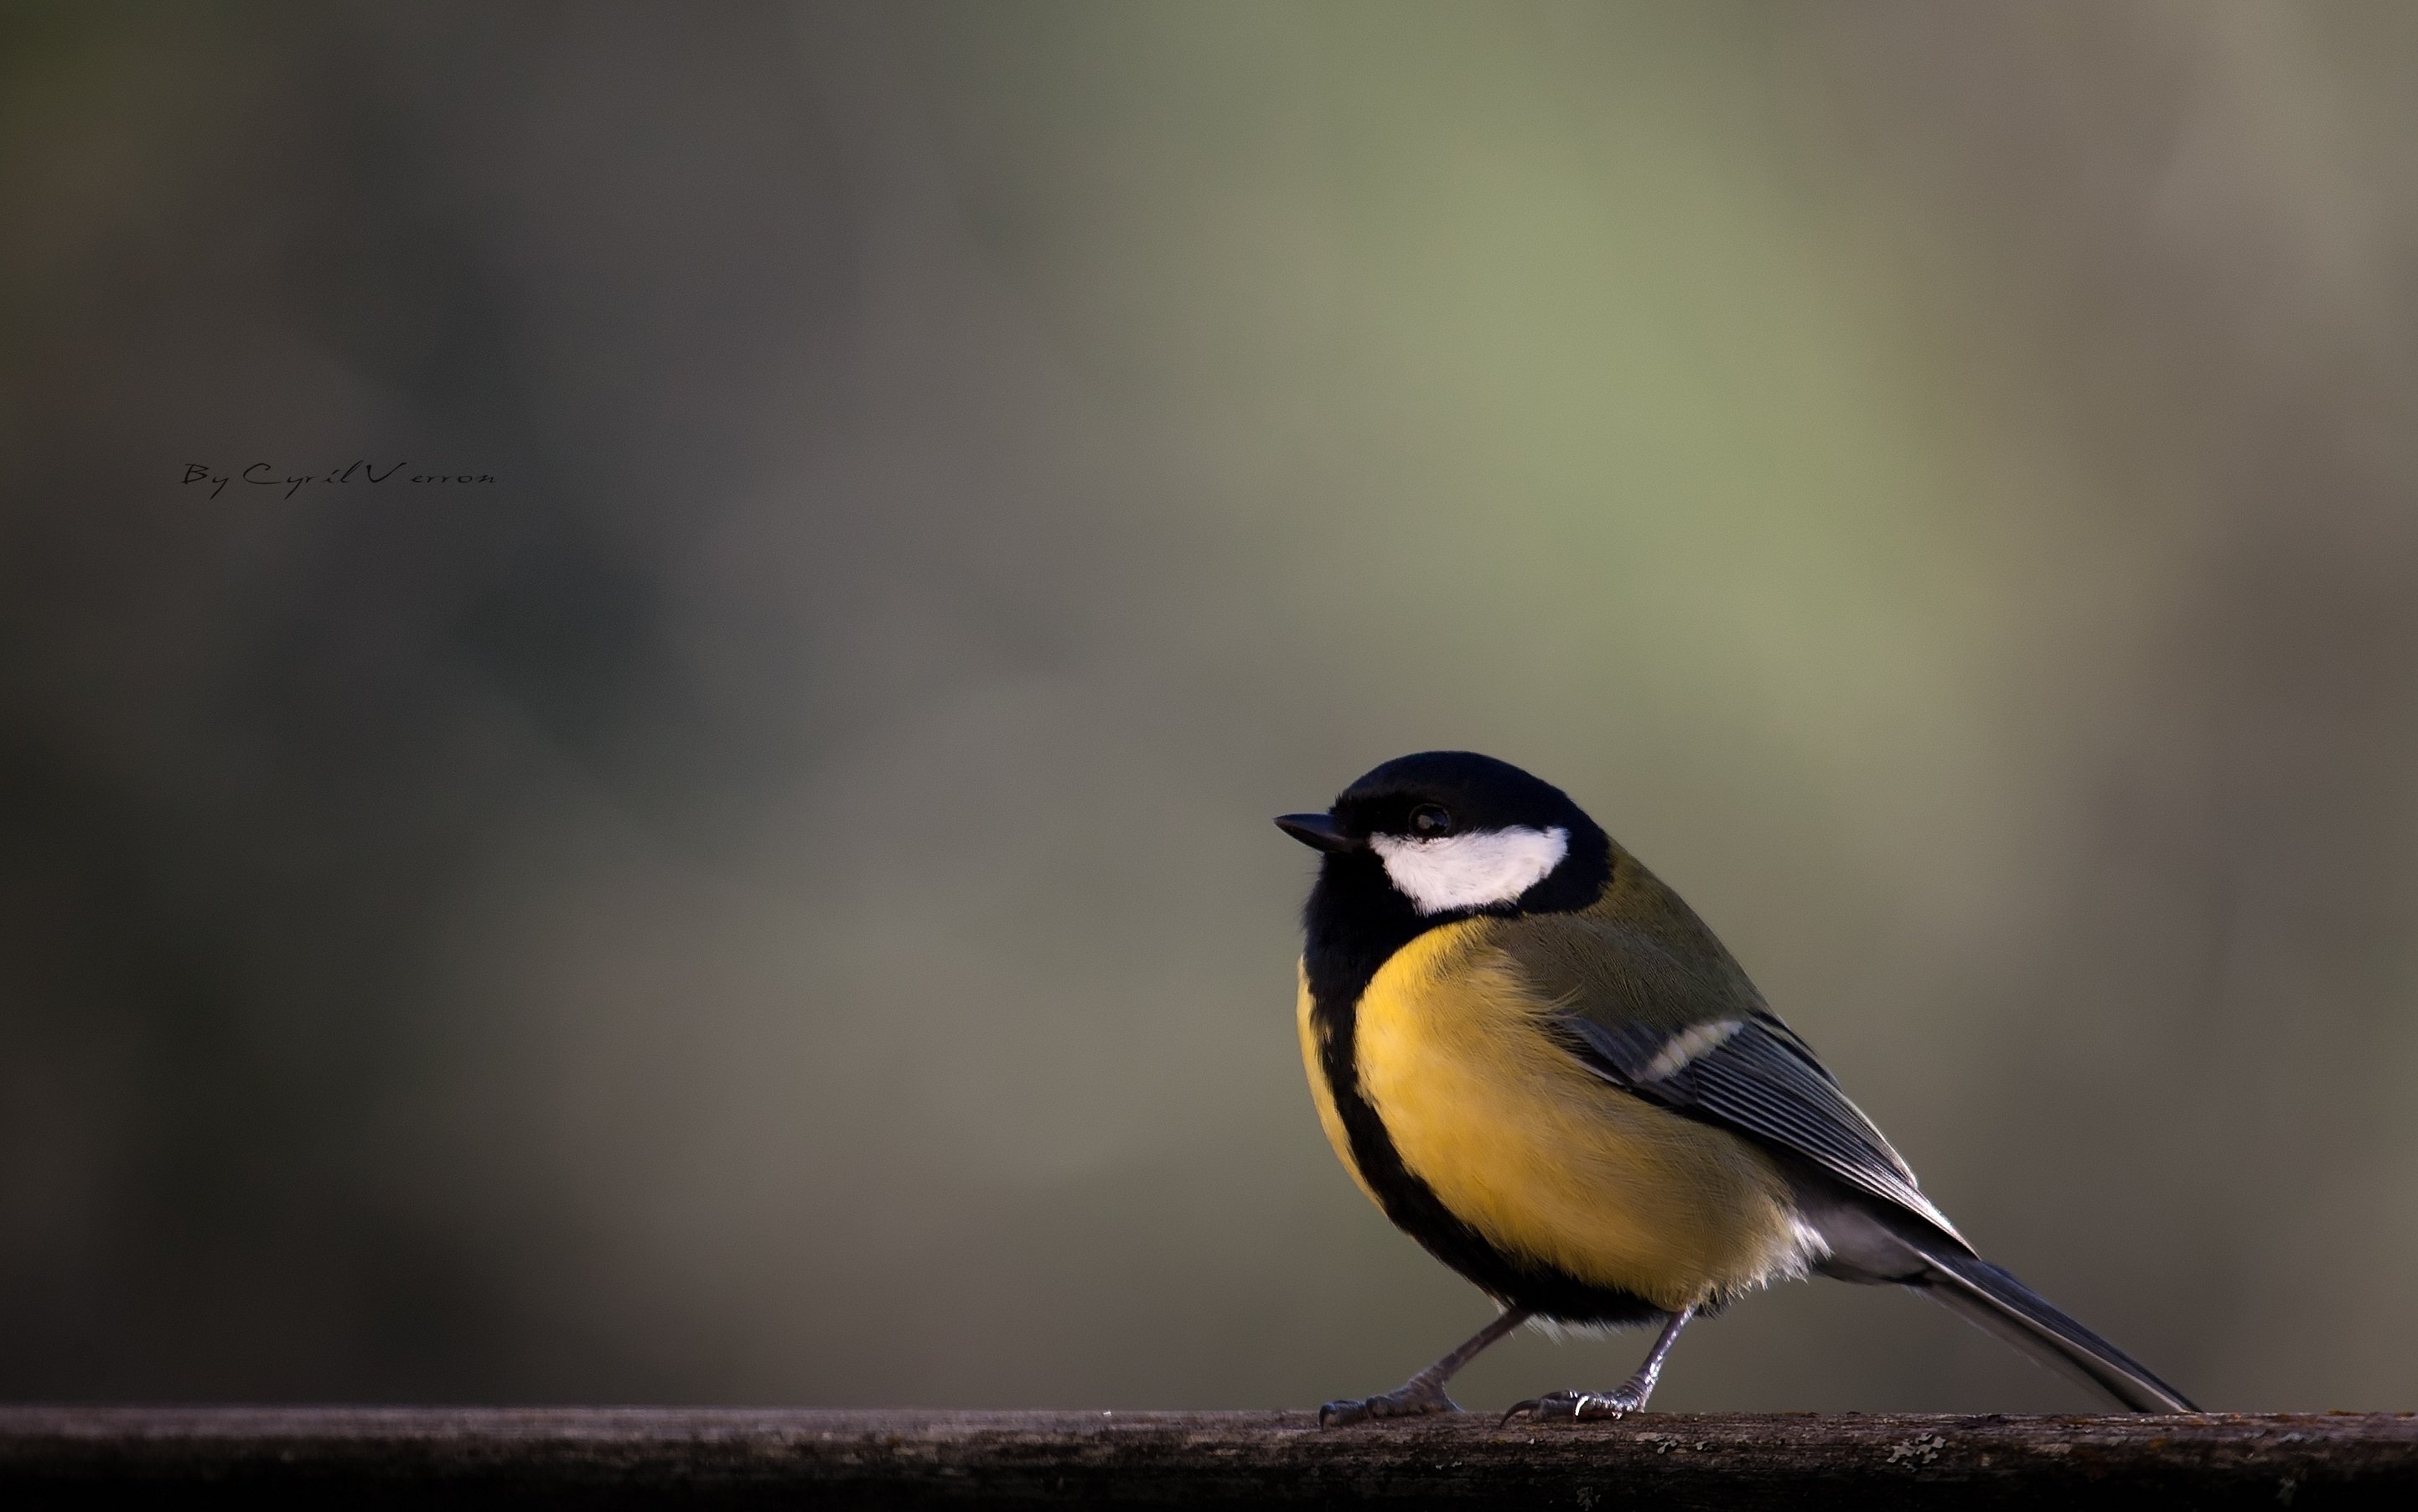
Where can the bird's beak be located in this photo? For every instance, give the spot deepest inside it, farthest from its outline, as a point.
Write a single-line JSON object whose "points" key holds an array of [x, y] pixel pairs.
{"points": [[1317, 831]]}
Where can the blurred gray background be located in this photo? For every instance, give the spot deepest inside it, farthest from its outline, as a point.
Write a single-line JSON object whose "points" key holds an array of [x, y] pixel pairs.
{"points": [[771, 900]]}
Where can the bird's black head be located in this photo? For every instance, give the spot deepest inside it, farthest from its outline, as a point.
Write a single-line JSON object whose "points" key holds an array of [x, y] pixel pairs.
{"points": [[1428, 838]]}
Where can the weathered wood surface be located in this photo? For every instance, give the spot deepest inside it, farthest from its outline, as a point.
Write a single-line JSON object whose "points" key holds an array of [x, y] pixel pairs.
{"points": [[265, 1456]]}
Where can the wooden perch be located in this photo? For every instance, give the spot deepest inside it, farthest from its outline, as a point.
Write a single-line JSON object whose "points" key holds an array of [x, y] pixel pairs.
{"points": [[460, 1455]]}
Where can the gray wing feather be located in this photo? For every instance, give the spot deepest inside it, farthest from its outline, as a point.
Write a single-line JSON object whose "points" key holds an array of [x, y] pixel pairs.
{"points": [[1667, 1015], [1761, 1082]]}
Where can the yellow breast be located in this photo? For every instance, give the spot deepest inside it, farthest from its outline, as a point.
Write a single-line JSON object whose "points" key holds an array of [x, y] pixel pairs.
{"points": [[1543, 1157]]}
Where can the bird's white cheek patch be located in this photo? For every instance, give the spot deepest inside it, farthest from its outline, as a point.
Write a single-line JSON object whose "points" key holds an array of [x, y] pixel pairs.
{"points": [[1473, 870]]}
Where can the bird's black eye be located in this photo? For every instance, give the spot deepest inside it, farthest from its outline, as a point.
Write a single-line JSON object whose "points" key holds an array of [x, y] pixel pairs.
{"points": [[1429, 820]]}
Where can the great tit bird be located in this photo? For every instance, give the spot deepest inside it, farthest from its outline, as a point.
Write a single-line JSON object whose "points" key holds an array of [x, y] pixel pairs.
{"points": [[1544, 1067]]}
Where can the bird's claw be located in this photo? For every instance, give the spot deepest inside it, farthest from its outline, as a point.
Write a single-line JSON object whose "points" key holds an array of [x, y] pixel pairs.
{"points": [[1576, 1406], [1410, 1401]]}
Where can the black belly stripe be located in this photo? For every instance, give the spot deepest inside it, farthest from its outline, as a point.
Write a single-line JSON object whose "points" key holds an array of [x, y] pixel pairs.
{"points": [[1414, 1207]]}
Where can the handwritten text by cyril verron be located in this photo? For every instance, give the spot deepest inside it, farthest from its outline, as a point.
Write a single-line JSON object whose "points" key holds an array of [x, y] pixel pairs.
{"points": [[263, 475]]}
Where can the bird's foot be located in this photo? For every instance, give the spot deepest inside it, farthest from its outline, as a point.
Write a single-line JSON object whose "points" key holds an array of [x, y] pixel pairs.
{"points": [[1580, 1405], [1413, 1400]]}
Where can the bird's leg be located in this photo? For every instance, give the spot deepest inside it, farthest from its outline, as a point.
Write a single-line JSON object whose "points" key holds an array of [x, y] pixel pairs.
{"points": [[1423, 1392], [1630, 1397]]}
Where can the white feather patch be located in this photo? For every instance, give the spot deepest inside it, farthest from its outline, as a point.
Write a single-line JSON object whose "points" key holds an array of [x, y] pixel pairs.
{"points": [[1688, 1044], [1809, 1244], [1473, 870]]}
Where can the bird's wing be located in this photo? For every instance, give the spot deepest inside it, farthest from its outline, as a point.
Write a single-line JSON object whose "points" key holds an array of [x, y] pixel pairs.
{"points": [[1695, 1037]]}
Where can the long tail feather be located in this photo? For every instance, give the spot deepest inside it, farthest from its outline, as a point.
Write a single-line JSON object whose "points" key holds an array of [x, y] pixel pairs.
{"points": [[1988, 1296]]}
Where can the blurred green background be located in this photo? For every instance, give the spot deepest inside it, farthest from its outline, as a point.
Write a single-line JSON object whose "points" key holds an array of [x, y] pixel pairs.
{"points": [[771, 899]]}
